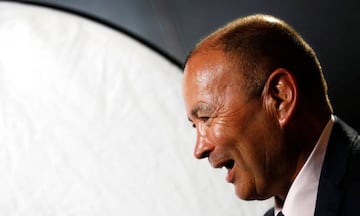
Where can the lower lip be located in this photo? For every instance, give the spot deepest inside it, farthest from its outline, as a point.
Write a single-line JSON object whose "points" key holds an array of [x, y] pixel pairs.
{"points": [[231, 175]]}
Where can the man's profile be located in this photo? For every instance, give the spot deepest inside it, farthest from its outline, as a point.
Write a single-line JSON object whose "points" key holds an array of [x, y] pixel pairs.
{"points": [[255, 92]]}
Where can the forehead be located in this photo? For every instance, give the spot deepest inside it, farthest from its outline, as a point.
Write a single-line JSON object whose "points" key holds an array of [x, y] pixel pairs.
{"points": [[208, 69], [209, 78]]}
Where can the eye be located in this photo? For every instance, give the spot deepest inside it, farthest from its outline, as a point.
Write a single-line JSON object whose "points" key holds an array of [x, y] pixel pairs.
{"points": [[204, 119]]}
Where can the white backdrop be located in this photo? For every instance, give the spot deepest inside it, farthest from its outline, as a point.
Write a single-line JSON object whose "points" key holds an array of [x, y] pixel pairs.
{"points": [[92, 123]]}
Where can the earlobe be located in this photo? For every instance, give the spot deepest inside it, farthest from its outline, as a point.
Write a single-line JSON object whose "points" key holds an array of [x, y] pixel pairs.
{"points": [[281, 95]]}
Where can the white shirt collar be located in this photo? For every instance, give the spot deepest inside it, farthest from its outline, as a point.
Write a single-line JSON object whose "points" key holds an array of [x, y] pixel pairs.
{"points": [[301, 198]]}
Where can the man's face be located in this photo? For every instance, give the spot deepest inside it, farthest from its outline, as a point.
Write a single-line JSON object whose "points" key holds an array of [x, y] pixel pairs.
{"points": [[233, 131]]}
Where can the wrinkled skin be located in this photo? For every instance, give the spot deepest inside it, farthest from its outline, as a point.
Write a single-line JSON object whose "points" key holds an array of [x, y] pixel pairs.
{"points": [[234, 131]]}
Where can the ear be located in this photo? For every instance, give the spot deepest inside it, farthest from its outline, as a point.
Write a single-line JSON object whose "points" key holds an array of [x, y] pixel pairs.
{"points": [[281, 94]]}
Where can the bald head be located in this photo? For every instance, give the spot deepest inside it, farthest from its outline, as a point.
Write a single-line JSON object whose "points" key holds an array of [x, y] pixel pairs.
{"points": [[258, 45]]}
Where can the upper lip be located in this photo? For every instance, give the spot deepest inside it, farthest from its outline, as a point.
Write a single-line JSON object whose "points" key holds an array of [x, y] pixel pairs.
{"points": [[227, 163]]}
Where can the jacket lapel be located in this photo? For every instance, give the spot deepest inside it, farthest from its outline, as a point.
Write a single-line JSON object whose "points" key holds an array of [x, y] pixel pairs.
{"points": [[331, 184]]}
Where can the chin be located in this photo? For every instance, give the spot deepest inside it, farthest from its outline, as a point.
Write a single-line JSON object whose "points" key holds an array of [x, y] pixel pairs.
{"points": [[245, 195], [249, 195]]}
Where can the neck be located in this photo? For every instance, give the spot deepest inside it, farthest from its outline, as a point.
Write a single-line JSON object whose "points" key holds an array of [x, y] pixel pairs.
{"points": [[303, 135]]}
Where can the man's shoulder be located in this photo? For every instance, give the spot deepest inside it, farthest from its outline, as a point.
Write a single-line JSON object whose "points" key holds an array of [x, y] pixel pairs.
{"points": [[351, 137], [354, 152], [344, 148], [339, 185], [351, 182]]}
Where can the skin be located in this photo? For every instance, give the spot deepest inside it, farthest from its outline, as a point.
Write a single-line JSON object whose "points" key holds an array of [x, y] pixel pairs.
{"points": [[251, 132]]}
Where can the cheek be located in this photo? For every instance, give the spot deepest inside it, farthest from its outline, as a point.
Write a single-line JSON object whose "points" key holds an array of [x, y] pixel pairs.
{"points": [[222, 135], [260, 146]]}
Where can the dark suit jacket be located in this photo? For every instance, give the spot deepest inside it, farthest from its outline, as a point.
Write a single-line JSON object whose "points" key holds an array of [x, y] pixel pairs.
{"points": [[339, 185]]}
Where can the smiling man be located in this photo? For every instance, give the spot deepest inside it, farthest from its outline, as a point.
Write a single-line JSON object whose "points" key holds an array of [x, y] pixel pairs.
{"points": [[255, 93]]}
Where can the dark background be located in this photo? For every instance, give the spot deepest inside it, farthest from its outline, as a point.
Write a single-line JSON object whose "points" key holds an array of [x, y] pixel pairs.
{"points": [[330, 27]]}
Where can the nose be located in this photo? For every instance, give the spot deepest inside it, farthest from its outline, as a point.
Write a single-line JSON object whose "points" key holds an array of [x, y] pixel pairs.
{"points": [[203, 148]]}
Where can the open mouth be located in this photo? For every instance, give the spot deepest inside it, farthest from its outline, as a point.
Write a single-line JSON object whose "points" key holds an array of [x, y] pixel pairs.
{"points": [[229, 164]]}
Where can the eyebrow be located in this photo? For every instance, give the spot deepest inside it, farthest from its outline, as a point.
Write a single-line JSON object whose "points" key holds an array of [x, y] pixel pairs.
{"points": [[199, 107]]}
